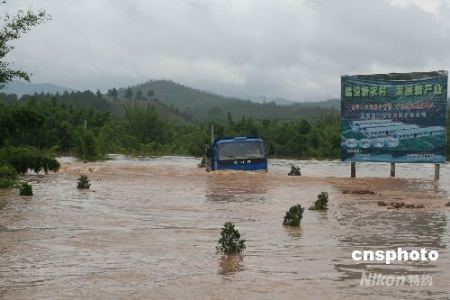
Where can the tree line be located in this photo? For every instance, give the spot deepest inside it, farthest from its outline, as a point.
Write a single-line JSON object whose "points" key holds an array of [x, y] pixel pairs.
{"points": [[90, 133]]}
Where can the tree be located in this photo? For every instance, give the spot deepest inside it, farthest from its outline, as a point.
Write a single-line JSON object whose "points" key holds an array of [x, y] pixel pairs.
{"points": [[129, 94], [150, 93], [86, 145], [8, 176], [12, 28], [98, 94], [144, 123], [139, 95], [113, 93], [26, 157]]}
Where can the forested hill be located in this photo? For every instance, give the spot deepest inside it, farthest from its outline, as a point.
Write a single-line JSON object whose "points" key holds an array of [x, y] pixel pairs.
{"points": [[96, 101], [176, 102], [199, 105]]}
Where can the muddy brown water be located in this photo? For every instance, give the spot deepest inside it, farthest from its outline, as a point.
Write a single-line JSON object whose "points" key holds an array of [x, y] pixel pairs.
{"points": [[148, 228]]}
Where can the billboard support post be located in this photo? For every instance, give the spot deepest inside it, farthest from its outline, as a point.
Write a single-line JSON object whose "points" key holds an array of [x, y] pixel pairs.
{"points": [[392, 169], [353, 170], [437, 168]]}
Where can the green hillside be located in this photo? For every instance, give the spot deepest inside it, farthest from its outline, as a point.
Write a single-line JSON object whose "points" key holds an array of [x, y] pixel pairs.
{"points": [[197, 105], [89, 100]]}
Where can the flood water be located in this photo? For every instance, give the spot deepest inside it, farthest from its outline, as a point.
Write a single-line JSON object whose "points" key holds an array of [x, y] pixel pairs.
{"points": [[148, 228]]}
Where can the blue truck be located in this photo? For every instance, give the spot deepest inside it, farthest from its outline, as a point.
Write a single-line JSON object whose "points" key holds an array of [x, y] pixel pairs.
{"points": [[246, 153]]}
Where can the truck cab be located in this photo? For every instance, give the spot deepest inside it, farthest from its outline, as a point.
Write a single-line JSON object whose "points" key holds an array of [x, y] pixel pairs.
{"points": [[236, 153]]}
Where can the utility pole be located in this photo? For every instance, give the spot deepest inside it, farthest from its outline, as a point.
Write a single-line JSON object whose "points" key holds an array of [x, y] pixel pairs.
{"points": [[212, 133], [83, 145]]}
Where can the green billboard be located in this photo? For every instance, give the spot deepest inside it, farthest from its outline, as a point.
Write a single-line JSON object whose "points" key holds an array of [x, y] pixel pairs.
{"points": [[397, 117]]}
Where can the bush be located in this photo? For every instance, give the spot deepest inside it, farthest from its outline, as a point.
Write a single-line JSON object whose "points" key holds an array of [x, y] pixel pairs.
{"points": [[83, 182], [294, 215], [321, 202], [230, 240], [25, 189], [24, 158], [8, 176], [295, 171]]}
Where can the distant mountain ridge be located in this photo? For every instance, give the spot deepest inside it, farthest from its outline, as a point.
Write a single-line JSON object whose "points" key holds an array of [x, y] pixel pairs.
{"points": [[21, 88], [206, 106]]}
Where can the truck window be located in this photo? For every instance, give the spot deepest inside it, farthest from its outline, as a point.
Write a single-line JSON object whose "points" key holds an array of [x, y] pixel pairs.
{"points": [[241, 150]]}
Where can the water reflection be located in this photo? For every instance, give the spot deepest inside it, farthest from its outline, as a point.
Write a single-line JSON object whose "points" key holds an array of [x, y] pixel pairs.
{"points": [[230, 264], [294, 231]]}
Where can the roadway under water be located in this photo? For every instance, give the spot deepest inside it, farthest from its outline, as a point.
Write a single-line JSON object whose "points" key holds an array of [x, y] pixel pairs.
{"points": [[148, 228]]}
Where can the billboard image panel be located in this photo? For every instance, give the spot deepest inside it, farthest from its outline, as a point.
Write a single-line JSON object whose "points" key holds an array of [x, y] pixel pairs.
{"points": [[398, 117]]}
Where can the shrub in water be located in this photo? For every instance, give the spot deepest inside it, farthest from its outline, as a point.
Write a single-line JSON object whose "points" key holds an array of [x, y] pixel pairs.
{"points": [[321, 202], [83, 182], [230, 240], [294, 215], [8, 176], [295, 171], [25, 189], [27, 157]]}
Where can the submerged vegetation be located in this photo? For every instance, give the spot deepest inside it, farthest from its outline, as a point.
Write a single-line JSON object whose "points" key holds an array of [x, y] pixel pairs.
{"points": [[28, 158], [295, 171], [25, 189], [83, 182], [230, 241], [321, 202], [8, 176], [294, 216]]}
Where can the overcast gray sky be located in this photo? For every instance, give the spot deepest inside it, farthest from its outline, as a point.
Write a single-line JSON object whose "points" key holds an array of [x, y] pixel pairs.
{"points": [[281, 48]]}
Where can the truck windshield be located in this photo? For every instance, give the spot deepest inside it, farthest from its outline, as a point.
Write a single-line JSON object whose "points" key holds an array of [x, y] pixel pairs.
{"points": [[240, 150]]}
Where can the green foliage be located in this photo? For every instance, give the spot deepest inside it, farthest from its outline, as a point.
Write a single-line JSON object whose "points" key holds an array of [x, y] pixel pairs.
{"points": [[321, 202], [8, 176], [86, 146], [27, 157], [230, 240], [295, 171], [25, 189], [294, 215], [143, 128], [83, 182], [12, 27], [144, 123]]}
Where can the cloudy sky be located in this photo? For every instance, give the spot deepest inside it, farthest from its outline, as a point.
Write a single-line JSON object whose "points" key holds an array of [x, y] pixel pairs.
{"points": [[296, 49]]}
